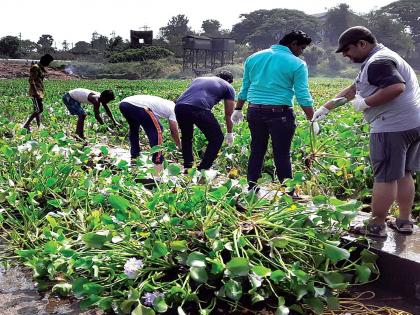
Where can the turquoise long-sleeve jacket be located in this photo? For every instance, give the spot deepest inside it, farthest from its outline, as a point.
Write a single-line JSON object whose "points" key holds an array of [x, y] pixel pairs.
{"points": [[274, 76]]}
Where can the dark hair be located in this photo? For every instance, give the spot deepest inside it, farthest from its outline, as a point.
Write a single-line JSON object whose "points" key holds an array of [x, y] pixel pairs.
{"points": [[225, 75], [107, 96], [46, 59], [300, 36]]}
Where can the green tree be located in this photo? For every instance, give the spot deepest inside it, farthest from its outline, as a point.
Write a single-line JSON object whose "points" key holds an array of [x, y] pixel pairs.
{"points": [[390, 32], [262, 28], [65, 45], [312, 56], [45, 43], [211, 28], [408, 13], [174, 31], [9, 46], [117, 44], [338, 20], [99, 42], [81, 47], [27, 47]]}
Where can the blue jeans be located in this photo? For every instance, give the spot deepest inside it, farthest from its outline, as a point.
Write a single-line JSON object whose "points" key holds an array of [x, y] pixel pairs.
{"points": [[280, 125], [187, 116], [144, 117]]}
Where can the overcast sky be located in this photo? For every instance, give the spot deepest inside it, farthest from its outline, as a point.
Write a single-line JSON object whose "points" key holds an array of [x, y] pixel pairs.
{"points": [[77, 19]]}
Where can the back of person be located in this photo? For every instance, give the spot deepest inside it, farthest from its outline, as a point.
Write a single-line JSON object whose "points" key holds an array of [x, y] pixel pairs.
{"points": [[271, 70], [81, 95], [205, 92], [401, 113], [161, 107]]}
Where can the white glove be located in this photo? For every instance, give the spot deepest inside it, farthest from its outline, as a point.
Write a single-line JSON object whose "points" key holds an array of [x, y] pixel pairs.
{"points": [[320, 114], [237, 116], [316, 127], [229, 139], [359, 104]]}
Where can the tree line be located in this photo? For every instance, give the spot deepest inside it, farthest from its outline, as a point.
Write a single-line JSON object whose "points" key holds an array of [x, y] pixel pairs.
{"points": [[396, 25]]}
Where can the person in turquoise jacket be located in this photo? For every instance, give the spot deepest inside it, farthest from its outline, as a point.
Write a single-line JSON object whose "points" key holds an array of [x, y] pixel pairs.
{"points": [[271, 79]]}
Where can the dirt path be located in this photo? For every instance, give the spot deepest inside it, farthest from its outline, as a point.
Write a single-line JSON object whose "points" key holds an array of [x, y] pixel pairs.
{"points": [[9, 70]]}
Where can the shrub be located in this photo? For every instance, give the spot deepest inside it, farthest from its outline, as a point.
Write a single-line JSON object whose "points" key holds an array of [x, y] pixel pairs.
{"points": [[141, 54]]}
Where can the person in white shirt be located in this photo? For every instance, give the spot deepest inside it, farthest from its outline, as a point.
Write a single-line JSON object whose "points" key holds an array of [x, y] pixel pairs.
{"points": [[74, 98], [145, 111]]}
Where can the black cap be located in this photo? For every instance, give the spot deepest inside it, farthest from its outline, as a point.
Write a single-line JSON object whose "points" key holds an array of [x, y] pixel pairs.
{"points": [[352, 35]]}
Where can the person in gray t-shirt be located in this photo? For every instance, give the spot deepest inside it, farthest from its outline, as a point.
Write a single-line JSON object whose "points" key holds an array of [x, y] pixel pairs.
{"points": [[387, 91]]}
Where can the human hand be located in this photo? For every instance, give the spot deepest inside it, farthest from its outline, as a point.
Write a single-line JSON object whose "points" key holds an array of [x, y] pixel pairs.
{"points": [[229, 139], [315, 127], [359, 103], [237, 116], [320, 114]]}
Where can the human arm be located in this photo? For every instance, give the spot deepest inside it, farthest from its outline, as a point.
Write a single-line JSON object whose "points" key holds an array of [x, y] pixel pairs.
{"points": [[229, 106], [173, 127], [109, 113]]}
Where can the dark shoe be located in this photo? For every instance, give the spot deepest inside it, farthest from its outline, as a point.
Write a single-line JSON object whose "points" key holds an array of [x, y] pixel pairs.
{"points": [[369, 229], [401, 226]]}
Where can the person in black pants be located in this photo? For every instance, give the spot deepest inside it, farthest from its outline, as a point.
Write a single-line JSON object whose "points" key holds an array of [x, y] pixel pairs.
{"points": [[145, 111], [194, 107], [272, 78]]}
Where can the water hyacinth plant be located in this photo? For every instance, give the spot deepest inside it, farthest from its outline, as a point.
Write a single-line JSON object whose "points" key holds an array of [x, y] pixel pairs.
{"points": [[89, 226]]}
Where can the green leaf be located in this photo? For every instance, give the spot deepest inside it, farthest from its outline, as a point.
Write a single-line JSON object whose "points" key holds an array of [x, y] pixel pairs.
{"points": [[96, 239], [333, 303], [93, 288], [238, 267], [336, 253], [173, 170], [233, 290], [143, 310], [261, 271], [51, 182], [282, 310], [104, 150], [160, 305], [368, 257], [196, 259], [26, 253], [159, 250], [118, 202], [279, 242], [180, 246], [105, 304], [199, 274], [335, 280], [51, 247], [63, 289], [77, 286], [89, 302], [315, 304], [255, 298], [213, 233], [133, 295], [277, 276], [363, 273]]}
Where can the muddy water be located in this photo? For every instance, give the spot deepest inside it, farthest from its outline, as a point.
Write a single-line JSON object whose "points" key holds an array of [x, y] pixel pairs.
{"points": [[19, 296]]}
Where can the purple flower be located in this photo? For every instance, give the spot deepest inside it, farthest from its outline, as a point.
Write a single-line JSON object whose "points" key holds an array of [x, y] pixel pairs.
{"points": [[149, 298], [132, 267]]}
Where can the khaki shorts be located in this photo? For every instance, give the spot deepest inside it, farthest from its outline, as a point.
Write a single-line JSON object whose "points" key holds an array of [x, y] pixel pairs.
{"points": [[393, 154]]}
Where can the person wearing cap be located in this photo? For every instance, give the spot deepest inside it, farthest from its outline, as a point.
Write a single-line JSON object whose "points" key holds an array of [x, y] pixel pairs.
{"points": [[387, 92], [145, 111], [194, 107], [74, 98], [37, 74], [271, 79]]}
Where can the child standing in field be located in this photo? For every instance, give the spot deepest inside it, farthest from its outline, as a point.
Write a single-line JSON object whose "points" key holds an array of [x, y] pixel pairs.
{"points": [[36, 88], [74, 98]]}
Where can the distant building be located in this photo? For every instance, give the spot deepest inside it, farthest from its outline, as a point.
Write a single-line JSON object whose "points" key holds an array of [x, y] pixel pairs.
{"points": [[140, 38], [202, 53]]}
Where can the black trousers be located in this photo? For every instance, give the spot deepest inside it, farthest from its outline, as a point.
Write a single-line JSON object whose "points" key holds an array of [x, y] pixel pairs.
{"points": [[187, 116], [279, 124]]}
